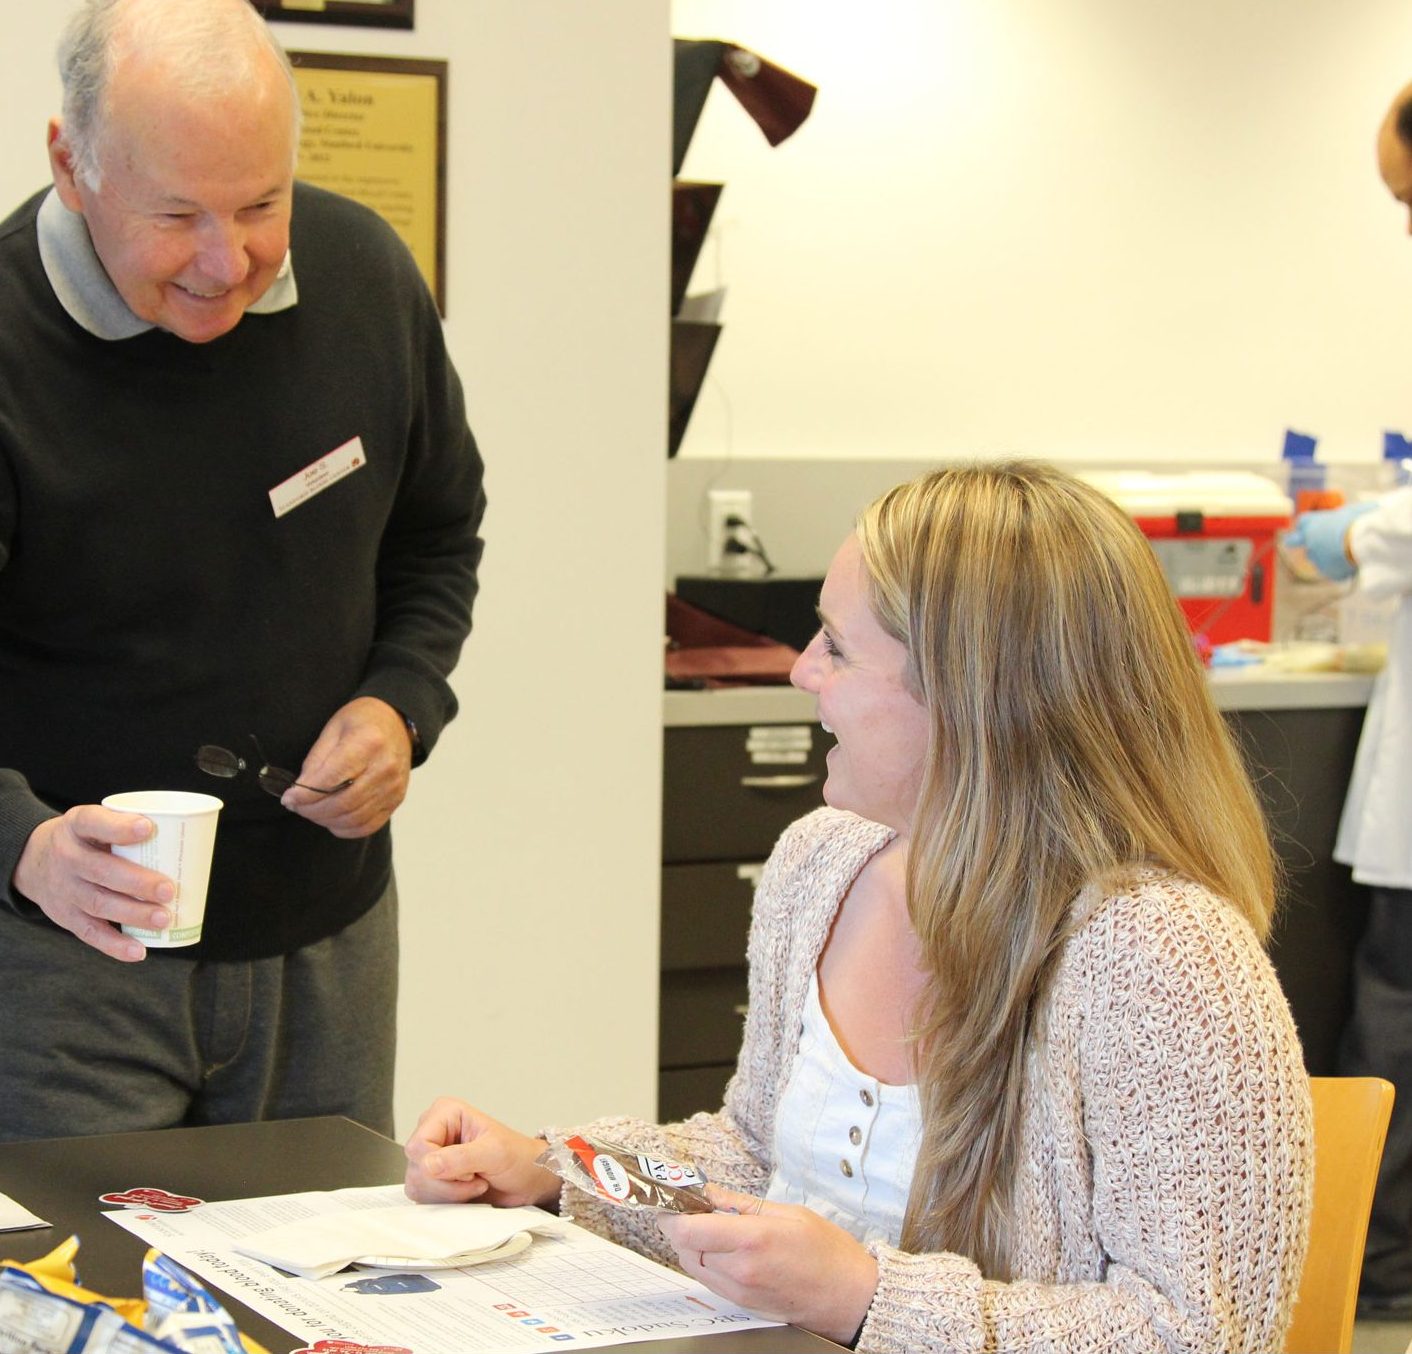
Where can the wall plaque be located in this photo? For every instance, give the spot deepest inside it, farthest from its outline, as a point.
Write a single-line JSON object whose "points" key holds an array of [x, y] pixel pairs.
{"points": [[375, 131], [382, 13]]}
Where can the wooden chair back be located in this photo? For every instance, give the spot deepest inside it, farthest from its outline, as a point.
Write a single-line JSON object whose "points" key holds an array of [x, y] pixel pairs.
{"points": [[1350, 1127]]}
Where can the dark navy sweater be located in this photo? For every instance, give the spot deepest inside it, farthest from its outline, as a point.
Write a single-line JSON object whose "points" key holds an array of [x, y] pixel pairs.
{"points": [[150, 599]]}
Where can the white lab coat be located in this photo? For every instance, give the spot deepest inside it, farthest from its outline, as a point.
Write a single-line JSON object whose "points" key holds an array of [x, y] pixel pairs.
{"points": [[1375, 833]]}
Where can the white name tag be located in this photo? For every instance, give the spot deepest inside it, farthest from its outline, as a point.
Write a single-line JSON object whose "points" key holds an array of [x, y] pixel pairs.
{"points": [[318, 476]]}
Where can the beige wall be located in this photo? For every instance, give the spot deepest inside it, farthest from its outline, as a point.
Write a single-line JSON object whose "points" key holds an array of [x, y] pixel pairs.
{"points": [[527, 853], [1088, 230]]}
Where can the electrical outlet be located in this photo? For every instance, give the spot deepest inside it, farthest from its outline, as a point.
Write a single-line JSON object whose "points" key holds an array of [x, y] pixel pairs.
{"points": [[721, 506]]}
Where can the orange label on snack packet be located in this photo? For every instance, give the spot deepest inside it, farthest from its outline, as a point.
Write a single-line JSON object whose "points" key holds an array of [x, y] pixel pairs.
{"points": [[609, 1177]]}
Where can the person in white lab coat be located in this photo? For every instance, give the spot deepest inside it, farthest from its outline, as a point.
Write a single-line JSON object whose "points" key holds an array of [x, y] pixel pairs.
{"points": [[1374, 541]]}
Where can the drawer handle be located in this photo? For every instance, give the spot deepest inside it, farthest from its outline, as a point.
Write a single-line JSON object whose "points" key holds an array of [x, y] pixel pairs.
{"points": [[797, 782], [741, 1010]]}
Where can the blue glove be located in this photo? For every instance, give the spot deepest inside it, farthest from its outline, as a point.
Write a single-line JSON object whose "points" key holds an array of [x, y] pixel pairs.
{"points": [[1321, 535]]}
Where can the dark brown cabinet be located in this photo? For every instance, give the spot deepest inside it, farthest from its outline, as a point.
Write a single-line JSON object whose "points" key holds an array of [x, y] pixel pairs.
{"points": [[728, 793], [1302, 761]]}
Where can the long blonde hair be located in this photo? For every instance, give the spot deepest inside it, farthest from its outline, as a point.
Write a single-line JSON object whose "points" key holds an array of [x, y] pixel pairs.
{"points": [[1072, 739]]}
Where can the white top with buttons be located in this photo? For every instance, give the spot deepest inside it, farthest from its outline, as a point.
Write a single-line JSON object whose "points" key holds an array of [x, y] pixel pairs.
{"points": [[845, 1143]]}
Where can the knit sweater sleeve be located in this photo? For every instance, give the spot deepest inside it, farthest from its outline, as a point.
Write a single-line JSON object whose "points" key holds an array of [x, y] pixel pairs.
{"points": [[1169, 1111], [794, 903], [21, 811], [713, 1142], [429, 557]]}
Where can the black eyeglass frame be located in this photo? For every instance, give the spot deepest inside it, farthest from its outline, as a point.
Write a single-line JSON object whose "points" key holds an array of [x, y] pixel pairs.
{"points": [[273, 780]]}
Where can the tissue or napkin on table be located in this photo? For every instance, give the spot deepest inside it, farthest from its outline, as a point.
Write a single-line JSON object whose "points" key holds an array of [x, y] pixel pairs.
{"points": [[405, 1236], [15, 1217]]}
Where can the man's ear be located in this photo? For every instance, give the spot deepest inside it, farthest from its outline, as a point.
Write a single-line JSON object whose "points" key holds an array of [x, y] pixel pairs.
{"points": [[61, 166]]}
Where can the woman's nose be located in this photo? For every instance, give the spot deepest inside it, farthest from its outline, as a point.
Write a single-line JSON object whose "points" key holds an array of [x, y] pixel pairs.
{"points": [[805, 670]]}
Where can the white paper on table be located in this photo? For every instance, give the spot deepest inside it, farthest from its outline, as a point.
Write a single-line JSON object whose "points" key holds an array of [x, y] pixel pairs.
{"points": [[571, 1288], [406, 1236], [16, 1217]]}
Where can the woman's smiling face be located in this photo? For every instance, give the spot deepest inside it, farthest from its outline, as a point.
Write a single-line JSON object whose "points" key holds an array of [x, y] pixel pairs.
{"points": [[858, 674]]}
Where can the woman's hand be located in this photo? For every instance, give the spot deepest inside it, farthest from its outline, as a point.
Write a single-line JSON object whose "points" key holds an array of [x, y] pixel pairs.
{"points": [[779, 1260], [456, 1154]]}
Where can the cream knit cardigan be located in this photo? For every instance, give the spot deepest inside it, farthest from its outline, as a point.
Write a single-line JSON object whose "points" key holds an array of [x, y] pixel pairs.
{"points": [[1166, 1155]]}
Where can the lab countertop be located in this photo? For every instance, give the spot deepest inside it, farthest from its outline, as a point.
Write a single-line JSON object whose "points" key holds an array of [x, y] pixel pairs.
{"points": [[1251, 688]]}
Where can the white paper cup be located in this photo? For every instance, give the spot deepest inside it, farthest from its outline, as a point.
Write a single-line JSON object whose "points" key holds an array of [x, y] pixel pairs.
{"points": [[180, 847]]}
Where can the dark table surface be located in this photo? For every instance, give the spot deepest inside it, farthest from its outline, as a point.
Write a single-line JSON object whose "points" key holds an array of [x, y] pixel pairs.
{"points": [[61, 1180]]}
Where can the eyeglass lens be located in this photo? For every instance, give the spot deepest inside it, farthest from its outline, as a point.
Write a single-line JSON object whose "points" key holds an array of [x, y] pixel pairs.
{"points": [[273, 780], [216, 761]]}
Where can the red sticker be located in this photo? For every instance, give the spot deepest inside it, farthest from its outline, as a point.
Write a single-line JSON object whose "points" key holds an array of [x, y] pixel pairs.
{"points": [[160, 1200]]}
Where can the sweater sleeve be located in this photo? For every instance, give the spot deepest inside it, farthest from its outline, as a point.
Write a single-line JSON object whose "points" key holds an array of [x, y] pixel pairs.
{"points": [[1172, 1046], [430, 554], [21, 811], [712, 1142], [794, 903]]}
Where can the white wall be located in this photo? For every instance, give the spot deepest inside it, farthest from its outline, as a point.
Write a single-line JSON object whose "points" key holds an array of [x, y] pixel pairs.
{"points": [[527, 853], [1087, 230]]}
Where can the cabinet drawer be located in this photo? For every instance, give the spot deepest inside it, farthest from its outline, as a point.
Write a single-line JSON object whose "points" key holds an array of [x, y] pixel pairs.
{"points": [[728, 791], [700, 1017], [685, 1090], [706, 914]]}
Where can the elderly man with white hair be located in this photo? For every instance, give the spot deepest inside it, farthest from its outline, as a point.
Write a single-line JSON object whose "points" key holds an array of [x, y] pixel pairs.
{"points": [[239, 508]]}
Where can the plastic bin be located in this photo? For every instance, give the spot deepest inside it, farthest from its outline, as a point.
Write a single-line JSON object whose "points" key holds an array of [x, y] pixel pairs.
{"points": [[1214, 534]]}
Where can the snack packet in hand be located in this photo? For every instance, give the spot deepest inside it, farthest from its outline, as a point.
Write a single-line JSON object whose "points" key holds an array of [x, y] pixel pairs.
{"points": [[621, 1176]]}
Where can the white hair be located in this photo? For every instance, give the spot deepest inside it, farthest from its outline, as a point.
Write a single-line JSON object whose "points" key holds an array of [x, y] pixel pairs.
{"points": [[211, 46]]}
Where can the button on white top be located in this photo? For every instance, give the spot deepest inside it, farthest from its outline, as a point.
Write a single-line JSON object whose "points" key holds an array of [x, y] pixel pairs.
{"points": [[852, 1168]]}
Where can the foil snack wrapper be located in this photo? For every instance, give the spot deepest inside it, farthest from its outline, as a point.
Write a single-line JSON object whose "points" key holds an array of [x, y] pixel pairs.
{"points": [[43, 1310], [629, 1179]]}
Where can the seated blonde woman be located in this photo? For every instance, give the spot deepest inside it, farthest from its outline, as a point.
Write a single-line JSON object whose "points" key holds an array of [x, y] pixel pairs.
{"points": [[1017, 1073]]}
